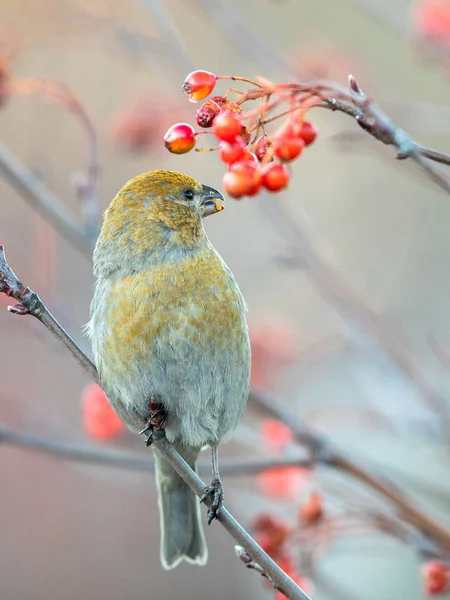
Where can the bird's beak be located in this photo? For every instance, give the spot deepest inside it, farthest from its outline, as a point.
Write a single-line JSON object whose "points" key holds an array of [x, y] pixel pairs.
{"points": [[212, 201]]}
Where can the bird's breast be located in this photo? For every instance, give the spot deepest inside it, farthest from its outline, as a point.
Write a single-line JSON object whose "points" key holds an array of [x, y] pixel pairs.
{"points": [[195, 301]]}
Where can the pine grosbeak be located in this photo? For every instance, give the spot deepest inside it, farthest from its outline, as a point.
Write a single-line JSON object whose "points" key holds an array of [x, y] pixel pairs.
{"points": [[170, 337]]}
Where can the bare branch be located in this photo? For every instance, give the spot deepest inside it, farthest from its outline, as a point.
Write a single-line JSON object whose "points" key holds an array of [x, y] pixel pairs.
{"points": [[131, 462], [44, 200], [434, 155], [429, 169], [326, 453], [169, 33]]}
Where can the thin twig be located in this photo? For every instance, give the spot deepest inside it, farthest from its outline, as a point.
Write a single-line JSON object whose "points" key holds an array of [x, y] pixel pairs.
{"points": [[170, 34], [127, 461], [44, 200], [326, 453], [31, 304], [435, 155], [429, 169], [87, 188]]}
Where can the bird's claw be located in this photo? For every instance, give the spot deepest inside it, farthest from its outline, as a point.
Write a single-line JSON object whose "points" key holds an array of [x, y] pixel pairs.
{"points": [[156, 422], [215, 492]]}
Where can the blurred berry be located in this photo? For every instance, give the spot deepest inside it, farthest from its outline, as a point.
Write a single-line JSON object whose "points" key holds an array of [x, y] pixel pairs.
{"points": [[100, 422], [436, 577], [308, 133], [275, 435], [275, 177], [270, 533], [283, 482], [141, 125], [288, 148], [311, 511], [227, 127], [242, 179], [264, 149], [231, 152], [431, 21], [274, 345]]}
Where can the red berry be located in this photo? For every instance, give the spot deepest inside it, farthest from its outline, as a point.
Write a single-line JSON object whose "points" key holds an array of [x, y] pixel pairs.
{"points": [[220, 100], [245, 134], [231, 152], [242, 179], [199, 84], [308, 133], [227, 127], [256, 186], [99, 420], [288, 148], [264, 149], [252, 172], [235, 184], [206, 113], [275, 176], [231, 107], [180, 138], [247, 156]]}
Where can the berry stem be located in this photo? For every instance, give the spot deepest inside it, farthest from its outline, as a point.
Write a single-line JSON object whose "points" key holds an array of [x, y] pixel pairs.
{"points": [[207, 149], [243, 79]]}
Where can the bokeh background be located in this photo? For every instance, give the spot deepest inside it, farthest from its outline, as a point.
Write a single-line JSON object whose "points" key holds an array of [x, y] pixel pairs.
{"points": [[71, 530]]}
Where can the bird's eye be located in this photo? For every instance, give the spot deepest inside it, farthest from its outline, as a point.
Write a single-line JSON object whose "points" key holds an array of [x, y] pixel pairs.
{"points": [[188, 194]]}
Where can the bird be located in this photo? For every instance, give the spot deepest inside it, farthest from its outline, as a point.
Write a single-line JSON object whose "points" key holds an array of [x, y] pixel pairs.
{"points": [[170, 339]]}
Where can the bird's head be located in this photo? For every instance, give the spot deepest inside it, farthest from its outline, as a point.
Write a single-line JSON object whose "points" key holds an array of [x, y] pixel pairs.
{"points": [[156, 213]]}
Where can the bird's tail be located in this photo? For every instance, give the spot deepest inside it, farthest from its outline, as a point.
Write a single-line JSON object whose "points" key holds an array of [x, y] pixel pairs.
{"points": [[182, 536]]}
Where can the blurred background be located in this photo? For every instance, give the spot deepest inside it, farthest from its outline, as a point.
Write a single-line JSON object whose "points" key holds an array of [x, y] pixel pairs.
{"points": [[72, 530]]}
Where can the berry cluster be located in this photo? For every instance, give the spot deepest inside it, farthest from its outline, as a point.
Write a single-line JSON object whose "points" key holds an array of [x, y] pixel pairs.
{"points": [[255, 158]]}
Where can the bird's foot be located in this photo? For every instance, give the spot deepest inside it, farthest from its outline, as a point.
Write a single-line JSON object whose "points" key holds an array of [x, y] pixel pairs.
{"points": [[156, 422], [214, 491]]}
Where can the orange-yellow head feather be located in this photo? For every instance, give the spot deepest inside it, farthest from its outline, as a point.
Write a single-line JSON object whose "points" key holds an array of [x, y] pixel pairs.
{"points": [[155, 212]]}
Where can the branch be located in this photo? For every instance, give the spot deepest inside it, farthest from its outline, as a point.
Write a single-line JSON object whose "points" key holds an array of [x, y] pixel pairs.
{"points": [[77, 452], [44, 200], [375, 122], [169, 33], [326, 453], [87, 185], [31, 304]]}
